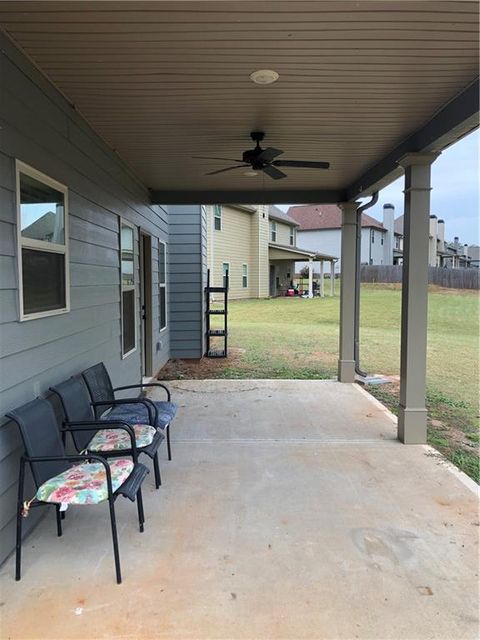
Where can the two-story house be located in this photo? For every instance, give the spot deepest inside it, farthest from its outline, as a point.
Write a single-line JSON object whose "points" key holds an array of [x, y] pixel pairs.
{"points": [[257, 246]]}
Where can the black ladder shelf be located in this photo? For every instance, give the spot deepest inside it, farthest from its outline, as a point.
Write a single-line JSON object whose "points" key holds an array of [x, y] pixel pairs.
{"points": [[211, 351]]}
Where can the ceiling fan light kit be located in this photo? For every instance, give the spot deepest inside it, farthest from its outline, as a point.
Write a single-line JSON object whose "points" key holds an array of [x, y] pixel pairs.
{"points": [[264, 76], [259, 159]]}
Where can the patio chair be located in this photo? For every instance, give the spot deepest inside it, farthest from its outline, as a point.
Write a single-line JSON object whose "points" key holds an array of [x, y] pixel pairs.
{"points": [[99, 438], [131, 410], [60, 482]]}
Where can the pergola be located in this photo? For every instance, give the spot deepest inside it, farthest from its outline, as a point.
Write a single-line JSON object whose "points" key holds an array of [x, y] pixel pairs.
{"points": [[377, 88]]}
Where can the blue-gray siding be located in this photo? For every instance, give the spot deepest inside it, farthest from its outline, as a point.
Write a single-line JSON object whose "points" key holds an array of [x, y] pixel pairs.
{"points": [[188, 260], [43, 130]]}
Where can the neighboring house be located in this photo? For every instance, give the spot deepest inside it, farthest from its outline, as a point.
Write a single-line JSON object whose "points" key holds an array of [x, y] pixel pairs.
{"points": [[474, 255], [319, 230], [257, 245]]}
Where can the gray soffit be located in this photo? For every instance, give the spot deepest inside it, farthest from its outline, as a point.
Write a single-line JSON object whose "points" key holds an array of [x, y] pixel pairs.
{"points": [[162, 82]]}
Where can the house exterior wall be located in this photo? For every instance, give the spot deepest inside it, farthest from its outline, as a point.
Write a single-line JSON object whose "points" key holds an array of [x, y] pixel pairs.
{"points": [[44, 131], [188, 278], [243, 239]]}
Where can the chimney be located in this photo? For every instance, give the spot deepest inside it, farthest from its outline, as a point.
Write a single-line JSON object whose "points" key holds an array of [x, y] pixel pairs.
{"points": [[432, 245], [388, 239], [465, 249], [441, 235]]}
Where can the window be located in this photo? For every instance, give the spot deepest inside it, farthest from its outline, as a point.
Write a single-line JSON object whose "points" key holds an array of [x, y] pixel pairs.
{"points": [[372, 235], [292, 236], [129, 322], [381, 239], [42, 234], [162, 283], [225, 270], [245, 276], [217, 217], [273, 231]]}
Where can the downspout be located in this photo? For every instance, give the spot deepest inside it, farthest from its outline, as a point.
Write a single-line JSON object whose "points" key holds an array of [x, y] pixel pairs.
{"points": [[358, 260]]}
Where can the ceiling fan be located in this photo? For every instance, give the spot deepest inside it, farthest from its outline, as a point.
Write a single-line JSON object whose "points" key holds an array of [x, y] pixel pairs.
{"points": [[264, 160]]}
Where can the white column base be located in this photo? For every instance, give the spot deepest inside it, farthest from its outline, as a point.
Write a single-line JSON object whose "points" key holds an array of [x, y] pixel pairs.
{"points": [[346, 370], [412, 425]]}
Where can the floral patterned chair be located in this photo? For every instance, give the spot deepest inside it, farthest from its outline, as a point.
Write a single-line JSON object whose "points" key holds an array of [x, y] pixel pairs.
{"points": [[60, 482], [158, 413], [91, 434]]}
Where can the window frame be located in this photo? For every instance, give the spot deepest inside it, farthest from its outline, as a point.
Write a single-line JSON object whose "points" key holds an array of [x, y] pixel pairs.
{"points": [[126, 223], [273, 231], [41, 245], [217, 215], [223, 272], [244, 275], [163, 285], [292, 236]]}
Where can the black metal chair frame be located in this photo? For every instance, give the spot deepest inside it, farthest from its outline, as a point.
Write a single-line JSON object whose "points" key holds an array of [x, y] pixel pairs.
{"points": [[150, 450], [151, 408], [131, 489]]}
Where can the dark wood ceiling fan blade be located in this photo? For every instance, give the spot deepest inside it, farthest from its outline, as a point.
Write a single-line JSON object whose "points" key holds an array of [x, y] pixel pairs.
{"points": [[215, 158], [239, 166], [269, 154], [273, 172], [305, 164]]}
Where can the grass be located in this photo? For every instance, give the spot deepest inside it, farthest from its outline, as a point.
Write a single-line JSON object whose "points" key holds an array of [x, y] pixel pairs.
{"points": [[298, 338]]}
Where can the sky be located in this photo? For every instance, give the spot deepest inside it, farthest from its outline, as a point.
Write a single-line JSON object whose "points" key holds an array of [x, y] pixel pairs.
{"points": [[455, 191]]}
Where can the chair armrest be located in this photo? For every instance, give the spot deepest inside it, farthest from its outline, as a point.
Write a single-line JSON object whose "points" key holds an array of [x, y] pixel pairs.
{"points": [[147, 384], [76, 458], [86, 425], [145, 401]]}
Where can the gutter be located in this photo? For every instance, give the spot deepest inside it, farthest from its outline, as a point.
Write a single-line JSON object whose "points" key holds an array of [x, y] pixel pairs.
{"points": [[358, 259]]}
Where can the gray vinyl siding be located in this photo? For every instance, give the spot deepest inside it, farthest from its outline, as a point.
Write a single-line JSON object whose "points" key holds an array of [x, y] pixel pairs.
{"points": [[41, 129], [188, 259]]}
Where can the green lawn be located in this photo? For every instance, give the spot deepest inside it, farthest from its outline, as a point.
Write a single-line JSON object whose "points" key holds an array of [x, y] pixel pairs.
{"points": [[298, 338]]}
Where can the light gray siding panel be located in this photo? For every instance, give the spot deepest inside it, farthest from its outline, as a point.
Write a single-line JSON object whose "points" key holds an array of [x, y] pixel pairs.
{"points": [[40, 128]]}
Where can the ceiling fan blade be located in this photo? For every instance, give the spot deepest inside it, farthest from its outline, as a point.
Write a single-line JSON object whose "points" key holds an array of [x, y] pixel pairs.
{"points": [[274, 173], [240, 166], [269, 154], [301, 163], [212, 158]]}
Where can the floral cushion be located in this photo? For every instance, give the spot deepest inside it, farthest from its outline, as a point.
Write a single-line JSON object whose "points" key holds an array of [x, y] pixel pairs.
{"points": [[138, 413], [84, 483], [117, 439]]}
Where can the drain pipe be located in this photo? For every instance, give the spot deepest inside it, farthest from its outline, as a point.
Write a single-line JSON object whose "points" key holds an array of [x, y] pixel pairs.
{"points": [[358, 261]]}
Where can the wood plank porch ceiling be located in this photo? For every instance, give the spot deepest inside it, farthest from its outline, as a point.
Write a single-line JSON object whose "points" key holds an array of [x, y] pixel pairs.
{"points": [[164, 81]]}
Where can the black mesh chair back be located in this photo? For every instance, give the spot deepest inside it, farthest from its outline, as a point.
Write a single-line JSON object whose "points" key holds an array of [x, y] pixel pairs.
{"points": [[76, 405], [99, 386], [41, 437]]}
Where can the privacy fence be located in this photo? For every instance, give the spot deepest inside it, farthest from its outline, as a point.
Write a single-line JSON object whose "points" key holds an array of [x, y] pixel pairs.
{"points": [[453, 278]]}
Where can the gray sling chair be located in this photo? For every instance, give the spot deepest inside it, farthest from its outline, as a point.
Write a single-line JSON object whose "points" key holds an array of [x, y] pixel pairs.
{"points": [[58, 481], [99, 438], [158, 413]]}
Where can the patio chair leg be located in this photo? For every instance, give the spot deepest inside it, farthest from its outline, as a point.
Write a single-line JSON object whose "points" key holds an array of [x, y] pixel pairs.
{"points": [[141, 515], [63, 514], [156, 470], [59, 520], [116, 553], [169, 448], [18, 546]]}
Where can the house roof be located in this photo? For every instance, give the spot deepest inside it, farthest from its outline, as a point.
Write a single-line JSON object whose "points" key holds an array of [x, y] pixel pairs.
{"points": [[325, 216], [277, 214], [398, 225]]}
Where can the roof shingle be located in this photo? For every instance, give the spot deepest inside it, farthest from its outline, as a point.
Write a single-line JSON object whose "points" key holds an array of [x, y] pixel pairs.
{"points": [[325, 216]]}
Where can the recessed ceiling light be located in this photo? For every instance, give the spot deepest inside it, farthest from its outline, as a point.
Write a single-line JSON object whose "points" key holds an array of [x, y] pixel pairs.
{"points": [[250, 174], [264, 76]]}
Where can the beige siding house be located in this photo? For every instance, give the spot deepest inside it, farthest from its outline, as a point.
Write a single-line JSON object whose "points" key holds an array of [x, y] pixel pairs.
{"points": [[256, 244]]}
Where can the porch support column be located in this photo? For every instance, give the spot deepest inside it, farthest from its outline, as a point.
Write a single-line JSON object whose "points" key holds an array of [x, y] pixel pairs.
{"points": [[310, 278], [332, 278], [346, 363], [412, 416], [322, 287]]}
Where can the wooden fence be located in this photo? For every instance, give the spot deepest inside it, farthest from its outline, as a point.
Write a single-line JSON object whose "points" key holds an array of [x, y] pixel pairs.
{"points": [[452, 278]]}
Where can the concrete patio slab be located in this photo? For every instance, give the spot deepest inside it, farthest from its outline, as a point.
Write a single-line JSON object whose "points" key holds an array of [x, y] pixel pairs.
{"points": [[289, 511]]}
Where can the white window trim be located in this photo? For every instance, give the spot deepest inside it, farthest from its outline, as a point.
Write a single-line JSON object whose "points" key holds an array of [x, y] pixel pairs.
{"points": [[245, 275], [217, 217], [29, 243], [126, 223], [292, 236], [223, 274], [273, 231], [164, 285]]}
